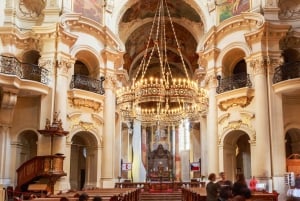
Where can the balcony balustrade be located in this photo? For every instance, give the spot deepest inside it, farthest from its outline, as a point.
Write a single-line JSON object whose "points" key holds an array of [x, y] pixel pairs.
{"points": [[287, 71], [12, 66], [89, 84], [235, 81]]}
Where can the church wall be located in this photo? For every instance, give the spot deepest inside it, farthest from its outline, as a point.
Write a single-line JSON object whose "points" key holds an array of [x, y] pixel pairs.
{"points": [[291, 114], [26, 114]]}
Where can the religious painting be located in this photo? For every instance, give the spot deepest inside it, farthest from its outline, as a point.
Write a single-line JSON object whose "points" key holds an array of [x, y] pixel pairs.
{"points": [[92, 9], [229, 8]]}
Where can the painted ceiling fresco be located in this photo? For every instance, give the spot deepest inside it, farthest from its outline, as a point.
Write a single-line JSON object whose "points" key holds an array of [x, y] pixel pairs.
{"points": [[89, 8], [137, 42], [229, 8], [146, 8]]}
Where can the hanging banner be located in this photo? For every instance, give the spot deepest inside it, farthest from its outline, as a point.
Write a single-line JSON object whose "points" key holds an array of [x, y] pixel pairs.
{"points": [[195, 166]]}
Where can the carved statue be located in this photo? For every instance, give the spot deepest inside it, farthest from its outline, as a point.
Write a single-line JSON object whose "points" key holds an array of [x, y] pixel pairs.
{"points": [[47, 126]]}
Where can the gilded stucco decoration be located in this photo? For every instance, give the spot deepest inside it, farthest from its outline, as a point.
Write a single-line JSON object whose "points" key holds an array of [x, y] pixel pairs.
{"points": [[83, 121], [243, 101], [110, 81], [64, 65], [223, 121], [32, 8], [244, 122], [247, 118], [86, 103]]}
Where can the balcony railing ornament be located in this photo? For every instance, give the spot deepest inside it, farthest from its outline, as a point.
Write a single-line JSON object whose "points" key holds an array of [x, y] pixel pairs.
{"points": [[87, 83], [235, 81], [12, 66]]}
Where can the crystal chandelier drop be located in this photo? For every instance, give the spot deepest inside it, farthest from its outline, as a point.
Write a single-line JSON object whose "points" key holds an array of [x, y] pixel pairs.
{"points": [[166, 99]]}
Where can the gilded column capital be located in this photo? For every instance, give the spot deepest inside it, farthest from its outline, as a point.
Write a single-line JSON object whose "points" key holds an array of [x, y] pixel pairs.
{"points": [[46, 63], [63, 65], [212, 81], [259, 65], [110, 81], [274, 62]]}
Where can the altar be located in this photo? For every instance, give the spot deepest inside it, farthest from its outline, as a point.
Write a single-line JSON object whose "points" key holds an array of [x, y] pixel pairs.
{"points": [[160, 165]]}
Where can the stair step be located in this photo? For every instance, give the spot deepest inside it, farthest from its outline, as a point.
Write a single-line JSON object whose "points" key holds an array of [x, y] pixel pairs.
{"points": [[148, 196]]}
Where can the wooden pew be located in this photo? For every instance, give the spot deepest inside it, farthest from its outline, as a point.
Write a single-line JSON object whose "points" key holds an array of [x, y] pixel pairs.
{"points": [[107, 194]]}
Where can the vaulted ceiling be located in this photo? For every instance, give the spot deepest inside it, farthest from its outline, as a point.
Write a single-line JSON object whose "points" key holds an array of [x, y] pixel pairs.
{"points": [[135, 26]]}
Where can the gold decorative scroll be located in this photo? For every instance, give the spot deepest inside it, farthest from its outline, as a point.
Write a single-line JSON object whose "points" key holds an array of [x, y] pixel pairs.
{"points": [[80, 102], [240, 101]]}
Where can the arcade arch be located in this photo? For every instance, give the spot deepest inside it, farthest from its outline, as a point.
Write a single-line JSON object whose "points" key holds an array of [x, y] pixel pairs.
{"points": [[292, 142], [83, 160], [236, 154], [27, 146]]}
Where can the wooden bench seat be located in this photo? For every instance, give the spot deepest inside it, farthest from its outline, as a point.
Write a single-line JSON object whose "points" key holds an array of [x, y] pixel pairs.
{"points": [[107, 194]]}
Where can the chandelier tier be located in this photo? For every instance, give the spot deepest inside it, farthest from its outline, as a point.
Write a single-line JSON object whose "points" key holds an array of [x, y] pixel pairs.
{"points": [[164, 99]]}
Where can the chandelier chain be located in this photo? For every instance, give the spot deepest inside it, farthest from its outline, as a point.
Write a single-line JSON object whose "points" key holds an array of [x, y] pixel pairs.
{"points": [[177, 43], [167, 97]]}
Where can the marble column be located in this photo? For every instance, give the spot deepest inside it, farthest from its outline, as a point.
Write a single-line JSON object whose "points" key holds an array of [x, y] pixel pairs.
{"points": [[173, 146], [61, 101], [212, 133], [262, 162], [108, 154], [5, 156], [60, 106], [204, 146], [138, 170], [144, 148], [112, 60], [177, 155]]}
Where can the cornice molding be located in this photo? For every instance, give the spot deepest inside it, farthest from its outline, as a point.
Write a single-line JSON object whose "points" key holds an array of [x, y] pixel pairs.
{"points": [[246, 21], [79, 23]]}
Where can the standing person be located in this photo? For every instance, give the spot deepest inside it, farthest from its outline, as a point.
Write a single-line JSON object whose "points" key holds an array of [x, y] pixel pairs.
{"points": [[212, 188], [83, 197], [223, 180], [253, 183], [225, 187], [97, 198], [240, 187]]}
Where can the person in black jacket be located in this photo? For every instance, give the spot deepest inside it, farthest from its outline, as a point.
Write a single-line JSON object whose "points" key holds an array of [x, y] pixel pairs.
{"points": [[212, 188], [240, 187]]}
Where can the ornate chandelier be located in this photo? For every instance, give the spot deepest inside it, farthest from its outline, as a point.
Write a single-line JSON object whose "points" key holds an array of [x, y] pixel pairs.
{"points": [[164, 99]]}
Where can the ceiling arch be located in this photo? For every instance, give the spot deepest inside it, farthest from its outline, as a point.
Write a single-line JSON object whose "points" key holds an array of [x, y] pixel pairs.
{"points": [[146, 8], [135, 26]]}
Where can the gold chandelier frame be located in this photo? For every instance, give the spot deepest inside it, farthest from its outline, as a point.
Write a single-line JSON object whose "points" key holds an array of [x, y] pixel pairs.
{"points": [[165, 99]]}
